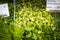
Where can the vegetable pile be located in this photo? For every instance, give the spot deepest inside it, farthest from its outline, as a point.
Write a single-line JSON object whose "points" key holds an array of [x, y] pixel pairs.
{"points": [[32, 22]]}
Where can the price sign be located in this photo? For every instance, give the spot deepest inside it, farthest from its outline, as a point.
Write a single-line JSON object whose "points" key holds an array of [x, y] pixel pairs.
{"points": [[53, 5], [4, 11]]}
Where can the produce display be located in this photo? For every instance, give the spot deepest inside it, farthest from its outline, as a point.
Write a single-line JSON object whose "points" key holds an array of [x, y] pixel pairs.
{"points": [[32, 22]]}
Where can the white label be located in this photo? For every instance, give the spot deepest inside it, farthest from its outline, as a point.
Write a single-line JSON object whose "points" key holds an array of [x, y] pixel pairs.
{"points": [[53, 5], [4, 10]]}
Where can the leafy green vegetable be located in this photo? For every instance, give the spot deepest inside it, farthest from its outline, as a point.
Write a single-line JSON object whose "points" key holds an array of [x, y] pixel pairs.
{"points": [[32, 22]]}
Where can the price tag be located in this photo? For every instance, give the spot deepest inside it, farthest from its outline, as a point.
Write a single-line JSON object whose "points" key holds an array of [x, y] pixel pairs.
{"points": [[53, 5], [4, 11]]}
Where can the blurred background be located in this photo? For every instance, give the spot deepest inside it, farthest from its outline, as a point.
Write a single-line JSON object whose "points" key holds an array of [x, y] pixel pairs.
{"points": [[29, 20]]}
